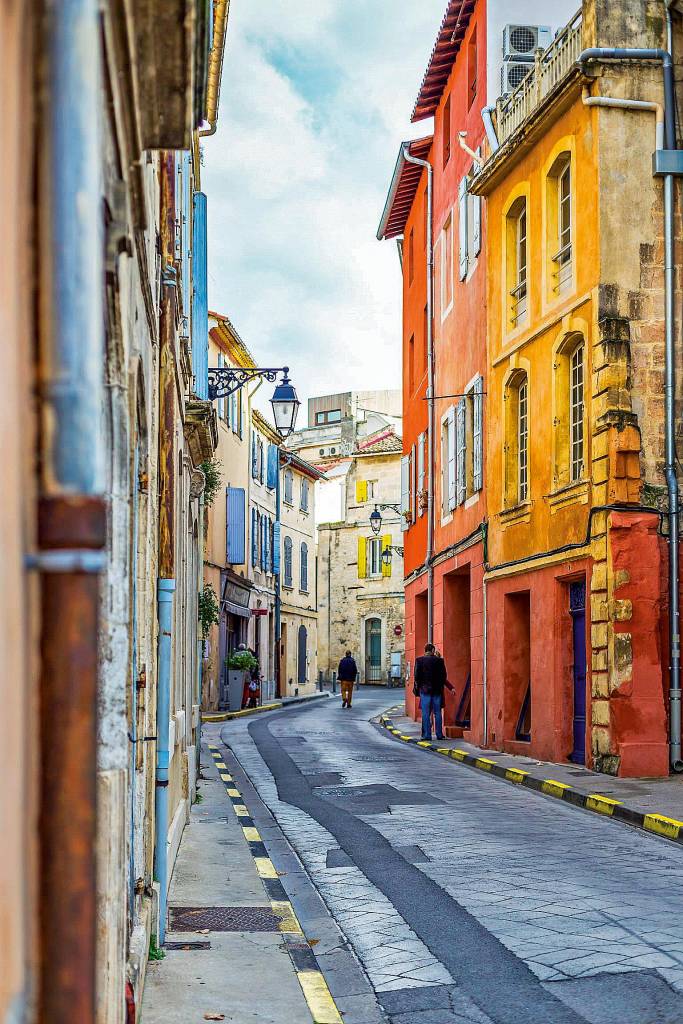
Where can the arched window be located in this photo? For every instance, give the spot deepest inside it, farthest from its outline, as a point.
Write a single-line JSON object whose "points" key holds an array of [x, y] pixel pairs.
{"points": [[517, 439], [516, 263], [302, 655], [559, 224], [303, 569], [288, 562], [289, 487], [569, 366]]}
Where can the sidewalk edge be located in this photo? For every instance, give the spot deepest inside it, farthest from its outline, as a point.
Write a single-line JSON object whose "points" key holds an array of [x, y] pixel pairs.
{"points": [[227, 716], [657, 824]]}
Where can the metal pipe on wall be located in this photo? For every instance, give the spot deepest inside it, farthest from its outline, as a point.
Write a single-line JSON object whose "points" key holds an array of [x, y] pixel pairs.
{"points": [[71, 516], [430, 388], [665, 59]]}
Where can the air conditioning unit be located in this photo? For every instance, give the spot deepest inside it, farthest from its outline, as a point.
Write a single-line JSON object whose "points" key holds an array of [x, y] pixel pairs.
{"points": [[521, 41], [512, 73]]}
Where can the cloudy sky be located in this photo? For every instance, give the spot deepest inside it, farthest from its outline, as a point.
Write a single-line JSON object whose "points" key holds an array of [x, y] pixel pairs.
{"points": [[316, 96]]}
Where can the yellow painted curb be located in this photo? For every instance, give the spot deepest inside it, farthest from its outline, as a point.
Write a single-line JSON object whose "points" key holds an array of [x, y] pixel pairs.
{"points": [[265, 867], [515, 774], [484, 763], [662, 825], [318, 997], [241, 811], [443, 750], [553, 788], [601, 804], [424, 743], [284, 910], [251, 834], [459, 755]]}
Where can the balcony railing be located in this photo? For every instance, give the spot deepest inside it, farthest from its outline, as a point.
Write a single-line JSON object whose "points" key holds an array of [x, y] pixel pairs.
{"points": [[548, 69]]}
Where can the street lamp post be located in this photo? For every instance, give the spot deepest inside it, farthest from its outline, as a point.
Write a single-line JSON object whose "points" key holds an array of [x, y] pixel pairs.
{"points": [[376, 515], [225, 380]]}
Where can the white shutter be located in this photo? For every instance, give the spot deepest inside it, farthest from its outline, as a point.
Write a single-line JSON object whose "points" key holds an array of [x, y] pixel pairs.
{"points": [[420, 470], [478, 436], [461, 413], [451, 460], [444, 467], [462, 227], [476, 218], [405, 491], [413, 485]]}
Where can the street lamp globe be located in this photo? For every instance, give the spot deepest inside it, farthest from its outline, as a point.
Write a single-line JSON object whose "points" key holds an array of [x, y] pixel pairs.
{"points": [[285, 405], [386, 556], [376, 520]]}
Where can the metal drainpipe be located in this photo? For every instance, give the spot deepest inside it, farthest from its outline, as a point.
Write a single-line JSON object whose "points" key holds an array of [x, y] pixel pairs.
{"points": [[664, 57], [165, 589], [487, 118], [278, 576], [430, 391], [71, 511]]}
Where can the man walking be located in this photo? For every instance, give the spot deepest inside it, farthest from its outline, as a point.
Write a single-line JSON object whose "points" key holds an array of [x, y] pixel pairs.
{"points": [[347, 674], [430, 679]]}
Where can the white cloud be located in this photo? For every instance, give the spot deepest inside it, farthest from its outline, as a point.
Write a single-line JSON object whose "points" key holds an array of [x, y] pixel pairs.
{"points": [[316, 97]]}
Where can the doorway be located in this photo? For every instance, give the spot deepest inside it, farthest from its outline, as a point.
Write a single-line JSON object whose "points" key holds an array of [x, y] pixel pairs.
{"points": [[282, 667], [517, 639], [577, 610], [302, 656], [456, 650], [373, 650]]}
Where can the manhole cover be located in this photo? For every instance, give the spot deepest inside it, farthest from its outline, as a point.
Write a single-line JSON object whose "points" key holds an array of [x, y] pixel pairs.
{"points": [[223, 919], [187, 945]]}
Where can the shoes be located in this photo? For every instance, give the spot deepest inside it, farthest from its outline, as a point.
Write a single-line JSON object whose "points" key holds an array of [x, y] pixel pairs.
{"points": [[343, 703], [428, 738], [348, 705], [441, 737]]}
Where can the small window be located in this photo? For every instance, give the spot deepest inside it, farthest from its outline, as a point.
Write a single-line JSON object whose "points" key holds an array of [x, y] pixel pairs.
{"points": [[328, 416], [446, 131], [576, 413], [472, 69], [375, 556], [289, 487]]}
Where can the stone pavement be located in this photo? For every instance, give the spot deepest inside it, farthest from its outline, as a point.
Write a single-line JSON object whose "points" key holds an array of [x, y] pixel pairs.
{"points": [[649, 796], [464, 899], [245, 975]]}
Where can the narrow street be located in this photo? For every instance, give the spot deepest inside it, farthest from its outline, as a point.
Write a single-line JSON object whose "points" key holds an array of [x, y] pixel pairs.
{"points": [[463, 897]]}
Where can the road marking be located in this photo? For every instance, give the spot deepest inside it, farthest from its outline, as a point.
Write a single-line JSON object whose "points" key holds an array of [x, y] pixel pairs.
{"points": [[663, 826], [251, 834], [265, 867]]}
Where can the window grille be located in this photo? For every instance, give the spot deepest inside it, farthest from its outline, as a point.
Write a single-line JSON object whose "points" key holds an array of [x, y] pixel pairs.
{"points": [[523, 440], [576, 413]]}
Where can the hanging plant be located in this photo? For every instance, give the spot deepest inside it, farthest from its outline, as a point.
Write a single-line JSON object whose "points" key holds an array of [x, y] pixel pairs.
{"points": [[209, 609], [212, 474]]}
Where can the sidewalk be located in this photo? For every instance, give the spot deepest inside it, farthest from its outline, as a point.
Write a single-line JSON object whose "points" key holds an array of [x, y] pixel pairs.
{"points": [[273, 705], [227, 943], [652, 804]]}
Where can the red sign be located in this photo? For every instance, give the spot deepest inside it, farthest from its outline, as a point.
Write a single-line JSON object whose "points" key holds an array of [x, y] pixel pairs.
{"points": [[398, 630], [259, 611]]}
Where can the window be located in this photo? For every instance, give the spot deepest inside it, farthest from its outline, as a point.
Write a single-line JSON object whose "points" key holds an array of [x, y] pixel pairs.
{"points": [[448, 462], [523, 441], [261, 462], [375, 556], [411, 364], [421, 450], [472, 69], [303, 500], [561, 186], [517, 439], [576, 413], [446, 131], [329, 416], [517, 263], [469, 226], [289, 487], [303, 569], [287, 582], [447, 267], [411, 256], [406, 501]]}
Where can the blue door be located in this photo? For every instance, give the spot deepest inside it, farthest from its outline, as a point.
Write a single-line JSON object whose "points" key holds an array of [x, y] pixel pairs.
{"points": [[577, 609]]}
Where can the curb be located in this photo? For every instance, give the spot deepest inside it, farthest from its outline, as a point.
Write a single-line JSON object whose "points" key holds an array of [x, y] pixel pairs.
{"points": [[227, 716], [321, 1005], [659, 824]]}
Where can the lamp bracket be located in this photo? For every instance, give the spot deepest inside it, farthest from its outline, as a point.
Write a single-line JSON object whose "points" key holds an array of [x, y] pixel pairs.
{"points": [[226, 380]]}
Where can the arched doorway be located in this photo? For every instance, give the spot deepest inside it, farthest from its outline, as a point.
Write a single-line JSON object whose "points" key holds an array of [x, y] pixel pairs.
{"points": [[373, 650], [301, 655]]}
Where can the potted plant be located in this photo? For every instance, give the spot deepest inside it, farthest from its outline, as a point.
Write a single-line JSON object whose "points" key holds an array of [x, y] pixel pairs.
{"points": [[239, 663]]}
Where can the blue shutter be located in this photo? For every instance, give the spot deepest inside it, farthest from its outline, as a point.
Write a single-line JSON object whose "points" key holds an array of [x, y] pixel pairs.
{"points": [[276, 548], [254, 536], [263, 542], [254, 461], [272, 465], [266, 554], [200, 298], [304, 566], [235, 526]]}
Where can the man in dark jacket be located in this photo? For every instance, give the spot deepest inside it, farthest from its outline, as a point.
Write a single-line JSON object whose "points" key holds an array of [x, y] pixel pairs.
{"points": [[430, 680], [347, 674]]}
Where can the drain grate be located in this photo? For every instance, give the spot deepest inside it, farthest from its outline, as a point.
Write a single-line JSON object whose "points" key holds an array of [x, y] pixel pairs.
{"points": [[187, 945], [223, 919]]}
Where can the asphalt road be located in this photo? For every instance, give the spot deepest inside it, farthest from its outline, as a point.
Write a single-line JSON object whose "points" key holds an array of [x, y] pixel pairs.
{"points": [[468, 900]]}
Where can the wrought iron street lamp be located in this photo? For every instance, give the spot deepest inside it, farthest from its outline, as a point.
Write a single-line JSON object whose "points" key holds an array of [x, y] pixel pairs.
{"points": [[388, 551], [376, 515], [226, 380]]}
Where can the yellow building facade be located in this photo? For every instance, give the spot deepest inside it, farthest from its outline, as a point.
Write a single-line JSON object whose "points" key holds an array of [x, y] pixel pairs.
{"points": [[575, 566]]}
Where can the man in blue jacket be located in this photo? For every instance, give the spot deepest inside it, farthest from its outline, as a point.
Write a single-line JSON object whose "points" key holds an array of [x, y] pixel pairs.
{"points": [[347, 674], [430, 680]]}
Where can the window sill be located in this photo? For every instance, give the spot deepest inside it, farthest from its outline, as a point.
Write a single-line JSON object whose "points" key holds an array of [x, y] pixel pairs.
{"points": [[516, 514], [287, 586], [571, 494], [304, 592], [289, 504]]}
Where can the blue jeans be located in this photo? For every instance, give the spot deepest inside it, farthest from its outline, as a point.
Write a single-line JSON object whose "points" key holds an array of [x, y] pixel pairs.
{"points": [[431, 705]]}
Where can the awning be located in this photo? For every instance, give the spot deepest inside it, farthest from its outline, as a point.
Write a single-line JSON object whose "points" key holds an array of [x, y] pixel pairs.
{"points": [[235, 609]]}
